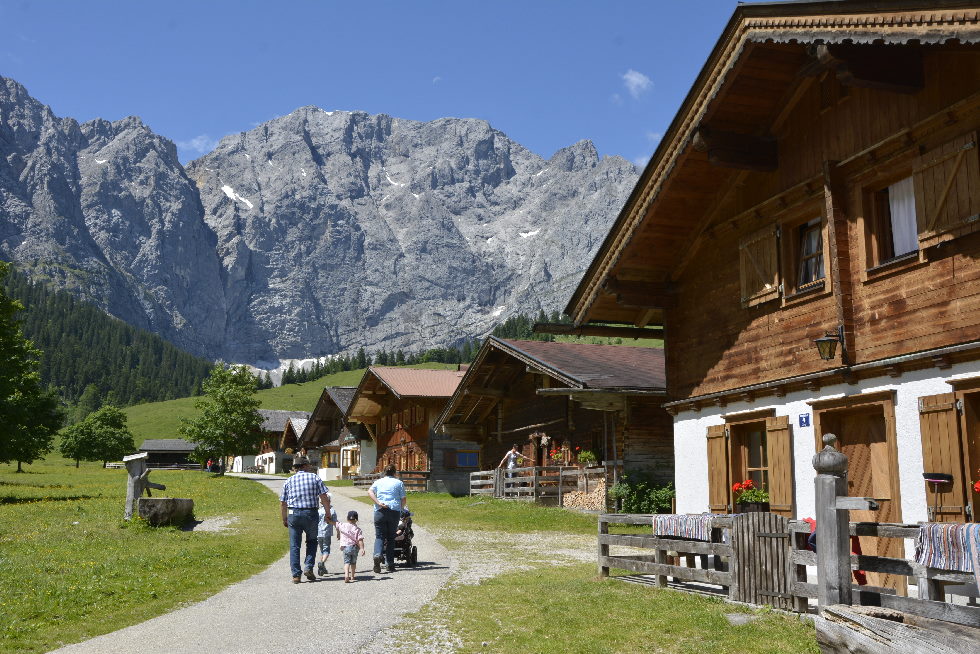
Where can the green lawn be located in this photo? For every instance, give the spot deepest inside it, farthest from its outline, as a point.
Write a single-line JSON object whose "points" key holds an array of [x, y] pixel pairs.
{"points": [[71, 568], [581, 612], [161, 419], [569, 610]]}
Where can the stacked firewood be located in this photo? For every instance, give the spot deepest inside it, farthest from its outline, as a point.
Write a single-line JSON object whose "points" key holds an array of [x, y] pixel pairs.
{"points": [[594, 500]]}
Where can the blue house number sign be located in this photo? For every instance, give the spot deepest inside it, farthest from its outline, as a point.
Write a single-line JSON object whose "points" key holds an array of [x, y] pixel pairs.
{"points": [[804, 420]]}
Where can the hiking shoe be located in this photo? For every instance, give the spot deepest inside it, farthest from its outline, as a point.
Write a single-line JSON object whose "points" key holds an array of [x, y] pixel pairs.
{"points": [[321, 569], [309, 575], [295, 580], [389, 569], [377, 565]]}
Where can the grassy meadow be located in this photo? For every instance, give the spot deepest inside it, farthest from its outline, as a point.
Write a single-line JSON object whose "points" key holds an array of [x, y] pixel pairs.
{"points": [[72, 568], [161, 419], [583, 613]]}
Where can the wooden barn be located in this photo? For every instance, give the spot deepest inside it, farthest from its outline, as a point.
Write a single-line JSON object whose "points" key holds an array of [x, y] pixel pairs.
{"points": [[541, 396], [807, 240], [326, 428], [164, 452], [398, 408]]}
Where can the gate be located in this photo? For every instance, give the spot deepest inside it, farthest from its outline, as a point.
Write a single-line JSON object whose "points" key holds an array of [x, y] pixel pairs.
{"points": [[760, 564]]}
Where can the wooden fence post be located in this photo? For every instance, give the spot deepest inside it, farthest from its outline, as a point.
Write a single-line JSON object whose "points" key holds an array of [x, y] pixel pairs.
{"points": [[833, 539], [603, 548]]}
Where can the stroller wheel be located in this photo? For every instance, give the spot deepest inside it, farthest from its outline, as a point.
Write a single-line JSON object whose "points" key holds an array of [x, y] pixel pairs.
{"points": [[414, 556]]}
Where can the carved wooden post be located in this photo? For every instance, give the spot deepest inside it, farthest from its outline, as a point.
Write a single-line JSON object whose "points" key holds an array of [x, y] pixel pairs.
{"points": [[138, 482], [833, 539]]}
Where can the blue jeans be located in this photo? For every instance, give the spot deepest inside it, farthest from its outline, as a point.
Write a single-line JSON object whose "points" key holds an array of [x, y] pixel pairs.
{"points": [[385, 526], [302, 521]]}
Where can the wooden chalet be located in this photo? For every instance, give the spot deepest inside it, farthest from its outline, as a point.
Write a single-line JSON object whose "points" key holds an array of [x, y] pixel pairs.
{"points": [[820, 185], [540, 395], [325, 429], [398, 408], [279, 439]]}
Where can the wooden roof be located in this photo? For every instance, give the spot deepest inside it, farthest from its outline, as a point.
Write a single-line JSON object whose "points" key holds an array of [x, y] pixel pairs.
{"points": [[750, 82], [379, 381], [167, 445], [599, 368]]}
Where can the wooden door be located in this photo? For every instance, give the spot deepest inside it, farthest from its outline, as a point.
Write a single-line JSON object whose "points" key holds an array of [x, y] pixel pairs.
{"points": [[863, 436]]}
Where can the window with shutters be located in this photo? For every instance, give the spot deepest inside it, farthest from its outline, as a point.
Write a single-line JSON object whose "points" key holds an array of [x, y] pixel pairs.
{"points": [[467, 459], [759, 448], [947, 190], [892, 222]]}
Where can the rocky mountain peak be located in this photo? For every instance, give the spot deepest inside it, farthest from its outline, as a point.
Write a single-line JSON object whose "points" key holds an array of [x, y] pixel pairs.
{"points": [[315, 233]]}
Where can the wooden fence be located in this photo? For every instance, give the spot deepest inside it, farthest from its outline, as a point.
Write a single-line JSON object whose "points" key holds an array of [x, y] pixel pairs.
{"points": [[546, 484], [414, 480], [763, 558]]}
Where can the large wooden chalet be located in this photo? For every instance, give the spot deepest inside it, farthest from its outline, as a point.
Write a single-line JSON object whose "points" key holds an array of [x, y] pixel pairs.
{"points": [[820, 185], [398, 408], [601, 398]]}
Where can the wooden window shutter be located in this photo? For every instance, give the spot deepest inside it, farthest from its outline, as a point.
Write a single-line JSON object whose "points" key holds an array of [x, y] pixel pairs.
{"points": [[719, 497], [779, 450], [947, 190], [759, 266], [942, 451], [449, 458]]}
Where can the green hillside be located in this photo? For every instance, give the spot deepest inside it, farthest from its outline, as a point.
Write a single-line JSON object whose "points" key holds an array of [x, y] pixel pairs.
{"points": [[82, 346], [161, 419]]}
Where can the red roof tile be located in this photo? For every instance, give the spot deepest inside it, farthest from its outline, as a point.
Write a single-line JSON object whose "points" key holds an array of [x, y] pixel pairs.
{"points": [[415, 382]]}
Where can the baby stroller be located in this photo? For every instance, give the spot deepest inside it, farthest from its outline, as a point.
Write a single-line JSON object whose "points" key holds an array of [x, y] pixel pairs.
{"points": [[404, 550]]}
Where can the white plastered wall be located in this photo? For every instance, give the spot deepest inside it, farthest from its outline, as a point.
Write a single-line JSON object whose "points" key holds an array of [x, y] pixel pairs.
{"points": [[691, 454]]}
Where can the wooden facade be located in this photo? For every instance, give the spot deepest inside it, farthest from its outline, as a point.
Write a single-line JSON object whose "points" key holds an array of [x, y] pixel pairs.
{"points": [[821, 179], [398, 407], [327, 425], [519, 392]]}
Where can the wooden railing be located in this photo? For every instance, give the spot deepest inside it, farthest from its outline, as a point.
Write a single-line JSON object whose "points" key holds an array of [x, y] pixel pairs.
{"points": [[732, 561], [414, 480], [665, 552], [929, 581], [539, 483]]}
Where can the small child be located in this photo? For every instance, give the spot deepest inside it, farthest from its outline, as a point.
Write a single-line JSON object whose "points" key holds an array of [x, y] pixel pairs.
{"points": [[351, 539], [324, 534]]}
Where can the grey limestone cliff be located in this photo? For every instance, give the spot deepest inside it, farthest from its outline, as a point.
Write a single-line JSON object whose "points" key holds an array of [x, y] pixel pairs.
{"points": [[317, 232]]}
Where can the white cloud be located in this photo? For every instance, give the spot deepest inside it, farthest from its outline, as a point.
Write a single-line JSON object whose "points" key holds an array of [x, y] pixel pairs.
{"points": [[636, 83], [654, 137], [201, 144], [436, 79]]}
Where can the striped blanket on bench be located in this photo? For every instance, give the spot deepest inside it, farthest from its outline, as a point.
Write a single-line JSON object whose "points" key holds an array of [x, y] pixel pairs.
{"points": [[694, 527], [949, 546]]}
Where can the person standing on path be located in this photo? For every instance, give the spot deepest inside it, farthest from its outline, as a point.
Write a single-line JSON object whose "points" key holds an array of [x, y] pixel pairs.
{"points": [[298, 505], [388, 495], [351, 541]]}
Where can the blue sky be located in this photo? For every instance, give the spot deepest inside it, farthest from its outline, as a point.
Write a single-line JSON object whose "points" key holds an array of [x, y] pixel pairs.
{"points": [[546, 73]]}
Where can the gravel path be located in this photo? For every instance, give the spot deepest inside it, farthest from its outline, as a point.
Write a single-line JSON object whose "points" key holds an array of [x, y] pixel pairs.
{"points": [[268, 613]]}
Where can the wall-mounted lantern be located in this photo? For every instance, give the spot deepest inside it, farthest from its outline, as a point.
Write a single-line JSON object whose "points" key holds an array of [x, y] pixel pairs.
{"points": [[827, 345]]}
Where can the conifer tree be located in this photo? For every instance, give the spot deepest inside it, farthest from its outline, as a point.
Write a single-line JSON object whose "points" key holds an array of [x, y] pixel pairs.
{"points": [[29, 414]]}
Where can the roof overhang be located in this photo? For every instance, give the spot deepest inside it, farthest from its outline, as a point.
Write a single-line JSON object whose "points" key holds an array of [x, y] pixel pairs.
{"points": [[753, 28]]}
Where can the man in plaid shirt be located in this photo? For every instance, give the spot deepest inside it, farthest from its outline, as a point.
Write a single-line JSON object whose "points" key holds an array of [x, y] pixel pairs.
{"points": [[297, 502]]}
